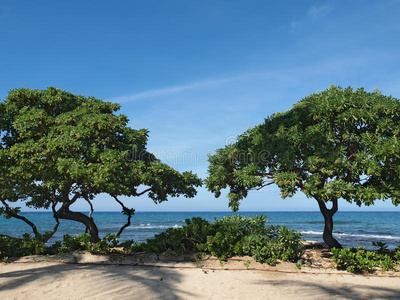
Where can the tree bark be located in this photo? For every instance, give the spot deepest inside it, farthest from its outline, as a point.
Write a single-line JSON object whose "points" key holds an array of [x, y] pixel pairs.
{"points": [[65, 213], [328, 217]]}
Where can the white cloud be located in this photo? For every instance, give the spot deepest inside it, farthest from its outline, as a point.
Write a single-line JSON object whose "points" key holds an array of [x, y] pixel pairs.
{"points": [[286, 77], [177, 89]]}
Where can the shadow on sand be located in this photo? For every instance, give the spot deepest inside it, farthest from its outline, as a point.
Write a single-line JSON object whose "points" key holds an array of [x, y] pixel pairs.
{"points": [[94, 281], [351, 290]]}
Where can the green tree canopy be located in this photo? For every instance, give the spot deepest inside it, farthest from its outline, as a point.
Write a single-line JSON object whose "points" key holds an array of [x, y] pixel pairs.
{"points": [[335, 144], [57, 147]]}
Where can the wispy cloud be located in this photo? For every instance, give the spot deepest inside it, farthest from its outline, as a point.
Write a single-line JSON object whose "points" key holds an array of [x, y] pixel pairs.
{"points": [[180, 88], [278, 77]]}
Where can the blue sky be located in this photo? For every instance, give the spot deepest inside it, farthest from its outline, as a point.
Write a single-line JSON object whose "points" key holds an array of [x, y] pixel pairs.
{"points": [[199, 73]]}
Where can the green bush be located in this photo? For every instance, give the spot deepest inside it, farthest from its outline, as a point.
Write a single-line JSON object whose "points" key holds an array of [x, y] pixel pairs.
{"points": [[359, 260], [27, 245], [180, 240], [223, 238], [397, 254], [131, 246], [354, 260], [387, 263], [80, 242], [229, 236], [382, 247], [17, 247], [106, 245]]}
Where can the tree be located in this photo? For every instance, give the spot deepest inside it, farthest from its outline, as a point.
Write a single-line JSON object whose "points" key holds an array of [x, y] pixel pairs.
{"points": [[336, 144], [57, 147]]}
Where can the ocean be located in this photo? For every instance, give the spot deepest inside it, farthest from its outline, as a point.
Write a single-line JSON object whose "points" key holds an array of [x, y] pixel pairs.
{"points": [[351, 229]]}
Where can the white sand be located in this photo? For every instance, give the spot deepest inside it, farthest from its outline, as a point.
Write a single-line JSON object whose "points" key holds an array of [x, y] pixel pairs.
{"points": [[95, 277]]}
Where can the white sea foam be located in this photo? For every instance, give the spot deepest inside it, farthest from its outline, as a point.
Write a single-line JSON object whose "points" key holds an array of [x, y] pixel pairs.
{"points": [[149, 226], [366, 236], [311, 232], [369, 236]]}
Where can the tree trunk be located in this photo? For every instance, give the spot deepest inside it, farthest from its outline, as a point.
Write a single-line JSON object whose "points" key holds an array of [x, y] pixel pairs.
{"points": [[328, 217], [65, 213]]}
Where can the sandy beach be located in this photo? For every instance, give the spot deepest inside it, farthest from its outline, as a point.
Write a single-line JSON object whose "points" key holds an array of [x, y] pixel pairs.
{"points": [[85, 276]]}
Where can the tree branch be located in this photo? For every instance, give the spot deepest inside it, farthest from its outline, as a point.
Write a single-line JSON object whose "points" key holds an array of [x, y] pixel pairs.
{"points": [[53, 207], [334, 208], [91, 210], [141, 193], [325, 210], [76, 197], [15, 215], [126, 211], [264, 185]]}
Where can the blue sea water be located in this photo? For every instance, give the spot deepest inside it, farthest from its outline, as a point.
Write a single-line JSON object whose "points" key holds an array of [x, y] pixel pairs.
{"points": [[352, 229]]}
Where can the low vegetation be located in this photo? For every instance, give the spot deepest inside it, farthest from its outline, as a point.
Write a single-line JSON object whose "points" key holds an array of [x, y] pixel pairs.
{"points": [[223, 238], [230, 236], [362, 261]]}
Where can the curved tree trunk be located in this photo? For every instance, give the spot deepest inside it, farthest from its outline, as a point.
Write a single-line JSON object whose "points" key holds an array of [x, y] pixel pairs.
{"points": [[328, 217], [65, 213]]}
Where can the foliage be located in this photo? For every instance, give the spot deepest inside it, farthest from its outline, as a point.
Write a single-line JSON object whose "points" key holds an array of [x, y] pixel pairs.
{"points": [[182, 240], [339, 143], [57, 148], [27, 245], [397, 253], [354, 260], [359, 260], [247, 264], [229, 236], [263, 243], [382, 247], [80, 242], [106, 245]]}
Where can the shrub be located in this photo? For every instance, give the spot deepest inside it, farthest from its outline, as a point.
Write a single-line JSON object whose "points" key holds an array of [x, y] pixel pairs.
{"points": [[387, 263], [397, 254], [223, 238], [382, 247], [359, 260], [17, 247], [179, 240], [229, 236], [79, 242], [354, 260], [106, 245]]}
